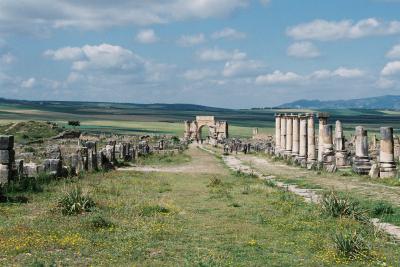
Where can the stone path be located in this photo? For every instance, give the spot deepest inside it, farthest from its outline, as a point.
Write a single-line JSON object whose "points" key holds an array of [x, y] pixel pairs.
{"points": [[309, 195]]}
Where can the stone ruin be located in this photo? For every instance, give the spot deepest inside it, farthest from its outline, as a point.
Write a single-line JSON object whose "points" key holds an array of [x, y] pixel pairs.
{"points": [[218, 130], [70, 157], [295, 139]]}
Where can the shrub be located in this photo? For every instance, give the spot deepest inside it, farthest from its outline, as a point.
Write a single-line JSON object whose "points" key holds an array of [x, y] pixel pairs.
{"points": [[151, 210], [246, 190], [351, 245], [215, 182], [76, 202], [99, 221], [382, 208], [270, 183]]}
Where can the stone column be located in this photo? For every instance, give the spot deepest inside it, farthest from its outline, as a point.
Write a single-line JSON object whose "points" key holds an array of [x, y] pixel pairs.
{"points": [[361, 162], [386, 155], [187, 130], [277, 133], [328, 156], [322, 120], [340, 149], [302, 139], [283, 133], [311, 155], [289, 135], [296, 136], [7, 158]]}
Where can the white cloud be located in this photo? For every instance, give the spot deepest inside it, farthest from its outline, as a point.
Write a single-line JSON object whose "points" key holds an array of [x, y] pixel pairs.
{"points": [[324, 30], [42, 15], [394, 52], [391, 68], [265, 2], [217, 54], [7, 58], [198, 74], [278, 77], [228, 33], [147, 36], [191, 40], [303, 50], [65, 53], [28, 83], [385, 83], [242, 68]]}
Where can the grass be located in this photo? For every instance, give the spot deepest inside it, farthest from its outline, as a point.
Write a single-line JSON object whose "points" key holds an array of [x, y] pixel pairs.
{"points": [[163, 159], [29, 131], [184, 226]]}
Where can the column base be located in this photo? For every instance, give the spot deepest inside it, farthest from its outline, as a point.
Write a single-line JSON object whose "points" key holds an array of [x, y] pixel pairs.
{"points": [[387, 170], [362, 165]]}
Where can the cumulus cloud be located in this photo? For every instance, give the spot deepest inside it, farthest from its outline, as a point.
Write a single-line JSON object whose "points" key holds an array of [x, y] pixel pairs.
{"points": [[198, 74], [217, 54], [65, 53], [228, 33], [147, 36], [394, 52], [39, 15], [237, 68], [323, 30], [278, 77], [391, 68], [303, 50], [191, 40], [29, 83]]}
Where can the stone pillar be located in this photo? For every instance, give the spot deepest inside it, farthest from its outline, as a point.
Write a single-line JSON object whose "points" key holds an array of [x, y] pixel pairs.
{"points": [[7, 158], [187, 130], [361, 162], [296, 136], [277, 133], [340, 149], [322, 120], [289, 134], [328, 156], [311, 155], [302, 139], [283, 133], [386, 155]]}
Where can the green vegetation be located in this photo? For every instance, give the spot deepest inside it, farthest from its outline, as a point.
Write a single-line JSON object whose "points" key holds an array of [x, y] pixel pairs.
{"points": [[30, 131], [185, 225], [161, 159]]}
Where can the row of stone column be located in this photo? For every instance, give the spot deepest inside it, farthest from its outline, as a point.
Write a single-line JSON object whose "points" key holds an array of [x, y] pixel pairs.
{"points": [[295, 137]]}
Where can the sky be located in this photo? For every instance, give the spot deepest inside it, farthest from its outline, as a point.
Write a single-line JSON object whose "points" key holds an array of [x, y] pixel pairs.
{"points": [[223, 53]]}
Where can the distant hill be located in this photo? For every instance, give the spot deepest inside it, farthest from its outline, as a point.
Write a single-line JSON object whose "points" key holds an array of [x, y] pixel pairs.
{"points": [[380, 102]]}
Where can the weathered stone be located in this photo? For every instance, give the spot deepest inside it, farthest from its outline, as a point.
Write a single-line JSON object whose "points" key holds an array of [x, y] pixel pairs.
{"points": [[328, 156], [6, 142], [277, 133], [311, 153], [53, 166], [283, 133], [302, 139], [323, 120], [53, 152], [7, 156], [386, 155], [340, 150], [296, 136], [5, 174], [331, 168], [289, 135], [361, 162], [374, 172], [31, 169]]}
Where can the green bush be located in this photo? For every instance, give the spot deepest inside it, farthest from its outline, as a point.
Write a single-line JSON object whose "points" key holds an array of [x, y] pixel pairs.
{"points": [[335, 206], [99, 221], [214, 182], [382, 208], [152, 210], [350, 245], [76, 202]]}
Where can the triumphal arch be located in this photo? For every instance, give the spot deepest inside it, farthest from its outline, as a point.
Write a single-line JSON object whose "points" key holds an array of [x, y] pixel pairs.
{"points": [[217, 130]]}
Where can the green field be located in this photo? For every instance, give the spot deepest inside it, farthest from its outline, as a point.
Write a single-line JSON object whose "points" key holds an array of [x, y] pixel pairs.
{"points": [[168, 119]]}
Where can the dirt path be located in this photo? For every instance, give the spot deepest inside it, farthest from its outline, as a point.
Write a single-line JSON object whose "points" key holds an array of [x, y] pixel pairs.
{"points": [[202, 162]]}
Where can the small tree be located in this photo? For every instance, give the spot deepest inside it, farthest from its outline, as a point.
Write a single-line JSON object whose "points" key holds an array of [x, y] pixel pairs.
{"points": [[74, 123]]}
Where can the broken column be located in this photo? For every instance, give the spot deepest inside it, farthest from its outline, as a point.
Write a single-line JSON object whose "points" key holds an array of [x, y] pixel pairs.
{"points": [[311, 155], [302, 158], [289, 135], [296, 136], [340, 149], [328, 156], [362, 162], [7, 158], [283, 133], [386, 155], [277, 132], [322, 120]]}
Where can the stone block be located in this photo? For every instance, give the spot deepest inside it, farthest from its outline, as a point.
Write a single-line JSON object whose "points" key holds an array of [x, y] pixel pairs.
{"points": [[53, 166], [374, 172], [5, 174], [7, 156], [6, 142], [31, 170]]}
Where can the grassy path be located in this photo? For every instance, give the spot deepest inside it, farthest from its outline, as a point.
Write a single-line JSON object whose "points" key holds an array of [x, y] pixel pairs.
{"points": [[212, 218]]}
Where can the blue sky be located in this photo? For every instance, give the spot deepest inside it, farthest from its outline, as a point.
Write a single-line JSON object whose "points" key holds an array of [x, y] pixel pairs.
{"points": [[227, 53]]}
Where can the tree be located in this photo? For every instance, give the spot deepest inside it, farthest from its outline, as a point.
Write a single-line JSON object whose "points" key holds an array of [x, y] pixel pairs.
{"points": [[74, 123]]}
